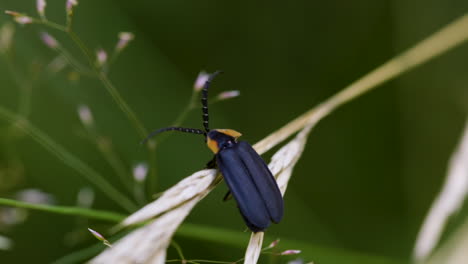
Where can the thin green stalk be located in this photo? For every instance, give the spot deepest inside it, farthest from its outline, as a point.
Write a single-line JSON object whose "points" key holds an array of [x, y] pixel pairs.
{"points": [[111, 61], [69, 20], [24, 104], [117, 166], [69, 159], [151, 148], [106, 150], [189, 107], [178, 249], [24, 85], [18, 77], [99, 74], [152, 181], [153, 143], [74, 62], [50, 24], [123, 105], [102, 76], [84, 49], [106, 82], [66, 210], [139, 192]]}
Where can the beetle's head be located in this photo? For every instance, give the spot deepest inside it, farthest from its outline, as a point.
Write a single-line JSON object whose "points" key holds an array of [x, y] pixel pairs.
{"points": [[218, 139]]}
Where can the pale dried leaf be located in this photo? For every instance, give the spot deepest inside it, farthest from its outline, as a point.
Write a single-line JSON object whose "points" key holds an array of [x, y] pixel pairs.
{"points": [[281, 165], [454, 250], [182, 192], [254, 248], [448, 202], [149, 243]]}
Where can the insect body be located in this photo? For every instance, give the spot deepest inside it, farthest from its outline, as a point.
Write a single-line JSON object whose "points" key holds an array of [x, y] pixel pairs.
{"points": [[249, 180]]}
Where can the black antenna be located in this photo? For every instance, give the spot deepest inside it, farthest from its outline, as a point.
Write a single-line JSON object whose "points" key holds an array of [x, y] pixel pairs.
{"points": [[181, 129], [204, 100]]}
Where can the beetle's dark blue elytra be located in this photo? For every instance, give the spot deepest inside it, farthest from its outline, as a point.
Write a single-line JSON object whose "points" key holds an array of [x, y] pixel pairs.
{"points": [[249, 180]]}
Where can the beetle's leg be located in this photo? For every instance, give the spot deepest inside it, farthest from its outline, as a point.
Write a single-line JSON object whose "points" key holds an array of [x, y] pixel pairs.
{"points": [[211, 164], [227, 197]]}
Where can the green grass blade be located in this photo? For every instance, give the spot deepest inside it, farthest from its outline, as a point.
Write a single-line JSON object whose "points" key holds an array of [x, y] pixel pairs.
{"points": [[66, 210], [69, 159]]}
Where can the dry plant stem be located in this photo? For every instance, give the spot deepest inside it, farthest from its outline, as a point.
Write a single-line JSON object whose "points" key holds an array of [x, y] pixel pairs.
{"points": [[453, 251], [193, 187], [438, 43], [281, 165], [254, 248], [447, 203]]}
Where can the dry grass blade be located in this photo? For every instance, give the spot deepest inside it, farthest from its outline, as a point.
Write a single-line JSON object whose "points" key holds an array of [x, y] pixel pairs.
{"points": [[198, 184], [454, 250], [283, 161], [436, 44], [447, 203], [254, 248], [281, 165], [149, 243]]}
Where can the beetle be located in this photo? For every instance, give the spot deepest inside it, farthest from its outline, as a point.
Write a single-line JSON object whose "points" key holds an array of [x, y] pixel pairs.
{"points": [[249, 179]]}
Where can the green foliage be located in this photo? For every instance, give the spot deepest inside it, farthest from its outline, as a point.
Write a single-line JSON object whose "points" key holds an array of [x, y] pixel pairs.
{"points": [[361, 189]]}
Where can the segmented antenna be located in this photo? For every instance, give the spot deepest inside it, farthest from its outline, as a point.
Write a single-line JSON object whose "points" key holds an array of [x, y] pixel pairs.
{"points": [[180, 129], [204, 100]]}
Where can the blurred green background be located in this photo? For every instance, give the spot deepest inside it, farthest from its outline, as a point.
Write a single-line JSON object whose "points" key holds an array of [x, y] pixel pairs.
{"points": [[369, 172]]}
